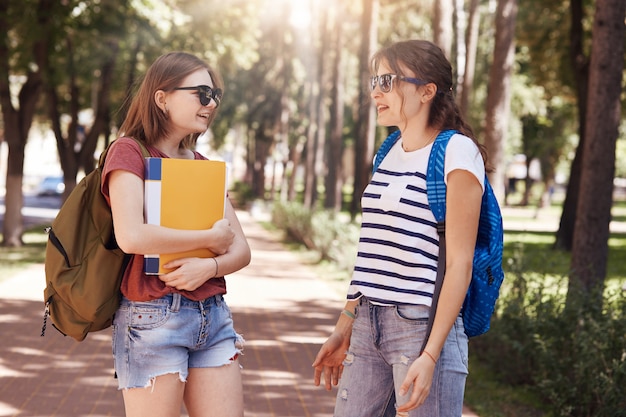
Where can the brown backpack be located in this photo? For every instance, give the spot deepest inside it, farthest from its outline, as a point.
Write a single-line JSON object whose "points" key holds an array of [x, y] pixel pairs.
{"points": [[84, 266]]}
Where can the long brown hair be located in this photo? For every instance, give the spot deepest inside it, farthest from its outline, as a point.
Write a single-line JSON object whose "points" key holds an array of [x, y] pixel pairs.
{"points": [[429, 64], [145, 120]]}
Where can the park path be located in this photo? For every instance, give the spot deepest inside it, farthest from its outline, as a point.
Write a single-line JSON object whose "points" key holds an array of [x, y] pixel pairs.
{"points": [[283, 310]]}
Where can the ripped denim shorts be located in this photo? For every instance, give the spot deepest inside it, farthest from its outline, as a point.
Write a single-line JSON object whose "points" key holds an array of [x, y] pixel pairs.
{"points": [[171, 335]]}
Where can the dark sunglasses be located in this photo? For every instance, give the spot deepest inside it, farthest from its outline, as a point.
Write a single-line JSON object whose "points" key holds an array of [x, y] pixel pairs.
{"points": [[385, 81], [205, 94]]}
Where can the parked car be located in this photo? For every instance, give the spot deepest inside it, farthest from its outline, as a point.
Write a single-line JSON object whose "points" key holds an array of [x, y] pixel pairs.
{"points": [[51, 186]]}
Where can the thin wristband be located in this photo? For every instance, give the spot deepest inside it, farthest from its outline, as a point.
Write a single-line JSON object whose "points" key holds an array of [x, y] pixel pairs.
{"points": [[349, 314], [216, 266], [430, 356]]}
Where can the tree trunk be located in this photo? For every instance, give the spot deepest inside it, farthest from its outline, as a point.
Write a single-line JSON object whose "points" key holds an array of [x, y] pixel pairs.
{"points": [[320, 132], [66, 145], [262, 146], [131, 78], [315, 130], [17, 123], [590, 248], [471, 46], [580, 64], [366, 118], [295, 155], [499, 91], [459, 30], [310, 146], [334, 176], [13, 227], [443, 26], [102, 109]]}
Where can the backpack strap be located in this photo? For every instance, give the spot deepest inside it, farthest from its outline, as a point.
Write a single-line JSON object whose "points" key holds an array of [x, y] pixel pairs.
{"points": [[384, 149], [436, 192], [144, 150], [146, 154], [435, 174], [142, 147]]}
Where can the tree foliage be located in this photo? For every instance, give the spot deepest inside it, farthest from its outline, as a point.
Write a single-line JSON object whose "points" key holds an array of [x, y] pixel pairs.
{"points": [[296, 112]]}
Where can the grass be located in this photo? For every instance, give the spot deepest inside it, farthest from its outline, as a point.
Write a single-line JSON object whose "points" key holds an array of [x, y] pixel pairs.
{"points": [[489, 398], [486, 396], [534, 254], [13, 260]]}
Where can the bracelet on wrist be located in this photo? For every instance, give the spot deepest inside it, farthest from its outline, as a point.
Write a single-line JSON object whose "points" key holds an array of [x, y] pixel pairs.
{"points": [[430, 356], [349, 314], [216, 267]]}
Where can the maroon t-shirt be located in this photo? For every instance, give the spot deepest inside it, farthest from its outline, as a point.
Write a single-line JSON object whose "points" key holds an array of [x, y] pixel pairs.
{"points": [[125, 154]]}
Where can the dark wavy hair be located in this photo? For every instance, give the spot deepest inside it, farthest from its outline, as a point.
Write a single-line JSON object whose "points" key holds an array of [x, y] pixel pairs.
{"points": [[145, 120], [429, 64]]}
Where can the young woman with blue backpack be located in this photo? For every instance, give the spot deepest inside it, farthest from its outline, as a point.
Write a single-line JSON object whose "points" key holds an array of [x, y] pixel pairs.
{"points": [[383, 355]]}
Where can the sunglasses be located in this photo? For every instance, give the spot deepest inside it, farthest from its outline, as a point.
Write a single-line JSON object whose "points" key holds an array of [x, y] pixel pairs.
{"points": [[205, 94], [385, 81]]}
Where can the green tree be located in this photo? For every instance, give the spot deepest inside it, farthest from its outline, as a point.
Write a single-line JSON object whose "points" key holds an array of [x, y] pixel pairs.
{"points": [[335, 144], [18, 68], [579, 60], [68, 51], [499, 91], [471, 46], [365, 122], [590, 249]]}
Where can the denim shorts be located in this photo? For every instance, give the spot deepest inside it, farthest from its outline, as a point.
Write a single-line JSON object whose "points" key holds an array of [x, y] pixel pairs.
{"points": [[170, 335], [384, 343]]}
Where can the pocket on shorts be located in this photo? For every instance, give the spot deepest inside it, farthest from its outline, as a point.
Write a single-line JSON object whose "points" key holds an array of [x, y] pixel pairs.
{"points": [[226, 310], [417, 314], [148, 316]]}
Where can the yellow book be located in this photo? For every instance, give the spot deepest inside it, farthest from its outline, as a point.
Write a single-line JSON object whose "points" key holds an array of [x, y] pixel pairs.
{"points": [[182, 194]]}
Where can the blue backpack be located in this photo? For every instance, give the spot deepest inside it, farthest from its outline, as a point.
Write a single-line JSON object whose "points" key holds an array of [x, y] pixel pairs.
{"points": [[487, 273]]}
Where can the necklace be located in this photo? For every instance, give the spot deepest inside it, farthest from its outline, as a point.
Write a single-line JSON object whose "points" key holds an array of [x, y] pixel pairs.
{"points": [[428, 142]]}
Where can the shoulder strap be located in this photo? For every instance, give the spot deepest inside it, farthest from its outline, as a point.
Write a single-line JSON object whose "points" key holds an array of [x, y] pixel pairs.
{"points": [[435, 173], [144, 150], [436, 192], [385, 148], [142, 147]]}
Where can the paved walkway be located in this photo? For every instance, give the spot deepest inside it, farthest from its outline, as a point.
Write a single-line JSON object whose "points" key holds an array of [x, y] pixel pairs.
{"points": [[283, 310]]}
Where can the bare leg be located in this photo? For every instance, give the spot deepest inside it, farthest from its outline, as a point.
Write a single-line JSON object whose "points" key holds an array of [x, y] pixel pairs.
{"points": [[215, 392], [163, 399]]}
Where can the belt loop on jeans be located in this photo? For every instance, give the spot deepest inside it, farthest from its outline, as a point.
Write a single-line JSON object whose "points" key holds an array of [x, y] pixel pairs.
{"points": [[175, 302]]}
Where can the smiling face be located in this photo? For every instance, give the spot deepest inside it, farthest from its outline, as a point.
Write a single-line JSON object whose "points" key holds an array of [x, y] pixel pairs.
{"points": [[403, 104], [186, 113]]}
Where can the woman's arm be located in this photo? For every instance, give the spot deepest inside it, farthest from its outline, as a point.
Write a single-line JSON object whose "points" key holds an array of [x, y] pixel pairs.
{"points": [[190, 273], [133, 236], [238, 254], [463, 200], [329, 359]]}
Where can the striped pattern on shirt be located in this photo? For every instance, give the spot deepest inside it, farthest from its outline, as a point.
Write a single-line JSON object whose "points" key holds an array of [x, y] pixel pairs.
{"points": [[398, 247]]}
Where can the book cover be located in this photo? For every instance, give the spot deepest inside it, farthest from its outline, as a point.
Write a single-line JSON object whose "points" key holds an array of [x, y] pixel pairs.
{"points": [[182, 194]]}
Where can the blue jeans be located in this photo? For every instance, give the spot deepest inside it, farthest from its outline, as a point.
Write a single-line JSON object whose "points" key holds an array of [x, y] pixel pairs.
{"points": [[385, 341], [171, 335]]}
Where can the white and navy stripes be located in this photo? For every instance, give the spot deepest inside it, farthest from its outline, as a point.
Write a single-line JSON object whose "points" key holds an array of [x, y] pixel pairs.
{"points": [[398, 247]]}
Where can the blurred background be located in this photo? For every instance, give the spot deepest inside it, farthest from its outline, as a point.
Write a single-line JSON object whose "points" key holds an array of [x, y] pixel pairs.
{"points": [[541, 83]]}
